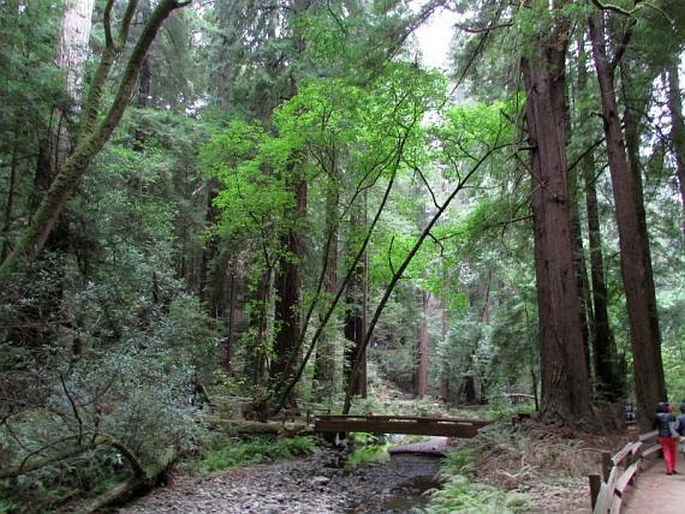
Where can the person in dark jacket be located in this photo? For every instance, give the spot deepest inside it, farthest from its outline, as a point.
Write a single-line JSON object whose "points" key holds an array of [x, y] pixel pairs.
{"points": [[680, 427], [662, 423]]}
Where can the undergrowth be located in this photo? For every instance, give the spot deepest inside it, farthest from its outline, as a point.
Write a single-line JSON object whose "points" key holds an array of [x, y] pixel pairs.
{"points": [[7, 506], [510, 469], [461, 494], [368, 448], [233, 452]]}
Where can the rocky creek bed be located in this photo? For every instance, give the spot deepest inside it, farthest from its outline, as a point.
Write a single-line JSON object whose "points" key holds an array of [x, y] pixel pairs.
{"points": [[317, 484], [548, 466]]}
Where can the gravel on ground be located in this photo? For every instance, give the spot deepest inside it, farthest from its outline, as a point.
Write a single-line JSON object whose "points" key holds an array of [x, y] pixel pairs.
{"points": [[316, 484]]}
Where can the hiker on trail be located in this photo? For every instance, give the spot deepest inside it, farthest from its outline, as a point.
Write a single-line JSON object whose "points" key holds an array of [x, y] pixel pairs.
{"points": [[680, 426], [662, 422]]}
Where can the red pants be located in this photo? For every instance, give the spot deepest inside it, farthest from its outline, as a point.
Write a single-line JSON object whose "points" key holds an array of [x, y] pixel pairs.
{"points": [[668, 447]]}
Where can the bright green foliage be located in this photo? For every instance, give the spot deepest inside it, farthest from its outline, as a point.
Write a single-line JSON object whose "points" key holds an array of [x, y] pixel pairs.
{"points": [[332, 132], [113, 330], [367, 454], [232, 452], [250, 165], [461, 494]]}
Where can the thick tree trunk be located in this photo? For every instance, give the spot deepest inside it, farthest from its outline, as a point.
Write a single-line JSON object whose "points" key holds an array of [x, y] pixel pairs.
{"points": [[93, 136], [288, 298], [565, 382], [636, 267], [608, 383], [72, 45], [582, 281], [675, 106], [70, 56]]}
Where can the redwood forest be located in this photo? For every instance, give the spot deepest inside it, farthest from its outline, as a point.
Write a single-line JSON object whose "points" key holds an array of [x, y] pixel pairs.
{"points": [[219, 216]]}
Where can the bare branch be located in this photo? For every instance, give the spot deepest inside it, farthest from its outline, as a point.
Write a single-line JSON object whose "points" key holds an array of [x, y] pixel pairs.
{"points": [[73, 409]]}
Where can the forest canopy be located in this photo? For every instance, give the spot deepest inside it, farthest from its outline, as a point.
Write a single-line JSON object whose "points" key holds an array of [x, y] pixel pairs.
{"points": [[278, 206]]}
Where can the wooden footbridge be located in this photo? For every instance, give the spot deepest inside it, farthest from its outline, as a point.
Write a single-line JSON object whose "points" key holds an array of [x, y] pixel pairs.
{"points": [[449, 427]]}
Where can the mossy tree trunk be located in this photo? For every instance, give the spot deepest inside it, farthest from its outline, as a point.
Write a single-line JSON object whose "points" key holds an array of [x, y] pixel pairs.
{"points": [[94, 132]]}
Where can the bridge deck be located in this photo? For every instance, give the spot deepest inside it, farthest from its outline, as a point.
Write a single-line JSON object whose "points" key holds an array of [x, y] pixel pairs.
{"points": [[449, 427]]}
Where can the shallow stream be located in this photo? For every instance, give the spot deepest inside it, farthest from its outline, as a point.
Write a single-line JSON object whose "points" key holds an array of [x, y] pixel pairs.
{"points": [[409, 476]]}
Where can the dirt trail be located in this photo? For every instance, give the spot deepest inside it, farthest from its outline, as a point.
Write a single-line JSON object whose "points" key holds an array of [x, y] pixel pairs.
{"points": [[657, 492]]}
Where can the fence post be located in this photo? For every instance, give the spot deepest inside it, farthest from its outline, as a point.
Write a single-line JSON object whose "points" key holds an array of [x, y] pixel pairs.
{"points": [[595, 484], [606, 466]]}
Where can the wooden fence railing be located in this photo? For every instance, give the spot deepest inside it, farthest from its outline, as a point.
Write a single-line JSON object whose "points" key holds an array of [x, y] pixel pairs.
{"points": [[618, 472]]}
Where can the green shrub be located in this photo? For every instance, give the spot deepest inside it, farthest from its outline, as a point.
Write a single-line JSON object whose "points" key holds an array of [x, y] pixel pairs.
{"points": [[460, 494], [367, 448], [234, 452], [134, 390], [461, 461], [8, 507]]}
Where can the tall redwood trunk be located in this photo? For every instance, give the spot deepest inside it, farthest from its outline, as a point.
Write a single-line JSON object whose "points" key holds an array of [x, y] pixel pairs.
{"points": [[288, 297], [604, 352], [70, 56], [636, 267], [565, 382], [608, 382], [582, 281], [675, 107]]}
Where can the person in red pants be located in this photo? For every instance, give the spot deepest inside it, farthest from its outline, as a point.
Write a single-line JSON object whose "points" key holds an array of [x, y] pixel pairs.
{"points": [[662, 423]]}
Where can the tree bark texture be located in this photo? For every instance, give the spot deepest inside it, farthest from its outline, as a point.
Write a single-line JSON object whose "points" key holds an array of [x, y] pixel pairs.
{"points": [[72, 44], [288, 283], [582, 281], [675, 106], [604, 351], [71, 54], [565, 382], [636, 268], [608, 383]]}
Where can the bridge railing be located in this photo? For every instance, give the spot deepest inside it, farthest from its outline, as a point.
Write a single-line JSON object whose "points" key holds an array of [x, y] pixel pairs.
{"points": [[607, 491]]}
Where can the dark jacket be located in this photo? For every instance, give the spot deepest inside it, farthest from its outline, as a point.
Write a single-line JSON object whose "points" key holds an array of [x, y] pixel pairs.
{"points": [[661, 423], [681, 425]]}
